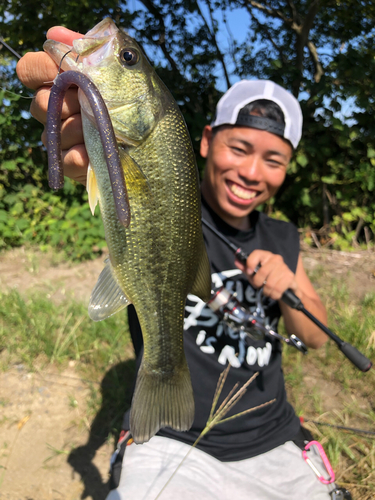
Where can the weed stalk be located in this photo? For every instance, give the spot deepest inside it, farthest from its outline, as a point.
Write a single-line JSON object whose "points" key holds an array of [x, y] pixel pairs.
{"points": [[217, 417]]}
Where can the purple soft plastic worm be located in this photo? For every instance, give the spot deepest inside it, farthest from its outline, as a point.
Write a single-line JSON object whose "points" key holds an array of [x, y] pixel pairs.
{"points": [[107, 135]]}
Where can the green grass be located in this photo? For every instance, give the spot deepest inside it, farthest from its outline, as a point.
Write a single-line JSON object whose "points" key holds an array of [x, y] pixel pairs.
{"points": [[35, 329], [333, 381], [36, 332]]}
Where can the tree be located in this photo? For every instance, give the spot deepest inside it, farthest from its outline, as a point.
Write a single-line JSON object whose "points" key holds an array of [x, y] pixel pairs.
{"points": [[321, 50]]}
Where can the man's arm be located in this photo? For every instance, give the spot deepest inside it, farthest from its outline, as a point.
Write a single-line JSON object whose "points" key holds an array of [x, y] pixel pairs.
{"points": [[299, 324]]}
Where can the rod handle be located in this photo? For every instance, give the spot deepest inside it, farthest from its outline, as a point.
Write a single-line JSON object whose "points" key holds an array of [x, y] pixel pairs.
{"points": [[356, 357], [291, 299]]}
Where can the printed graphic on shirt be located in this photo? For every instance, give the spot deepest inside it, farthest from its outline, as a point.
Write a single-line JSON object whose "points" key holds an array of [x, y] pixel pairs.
{"points": [[214, 336]]}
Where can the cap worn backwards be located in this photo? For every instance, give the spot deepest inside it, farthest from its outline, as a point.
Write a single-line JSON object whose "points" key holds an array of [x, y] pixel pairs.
{"points": [[247, 91]]}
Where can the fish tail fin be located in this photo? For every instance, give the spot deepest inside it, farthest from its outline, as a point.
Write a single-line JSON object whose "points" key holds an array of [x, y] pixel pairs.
{"points": [[161, 400]]}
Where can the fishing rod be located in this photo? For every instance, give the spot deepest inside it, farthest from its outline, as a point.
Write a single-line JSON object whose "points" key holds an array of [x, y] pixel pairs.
{"points": [[357, 358], [2, 41]]}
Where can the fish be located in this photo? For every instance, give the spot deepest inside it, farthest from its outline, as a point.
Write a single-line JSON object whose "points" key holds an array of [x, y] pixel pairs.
{"points": [[160, 257]]}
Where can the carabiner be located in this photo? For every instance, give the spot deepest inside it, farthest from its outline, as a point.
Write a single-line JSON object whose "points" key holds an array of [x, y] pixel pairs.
{"points": [[326, 462]]}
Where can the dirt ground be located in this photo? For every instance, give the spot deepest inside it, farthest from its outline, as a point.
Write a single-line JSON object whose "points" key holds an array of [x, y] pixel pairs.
{"points": [[43, 414]]}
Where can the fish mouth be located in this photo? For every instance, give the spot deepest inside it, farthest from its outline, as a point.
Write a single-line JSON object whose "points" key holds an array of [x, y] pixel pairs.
{"points": [[244, 194], [103, 29]]}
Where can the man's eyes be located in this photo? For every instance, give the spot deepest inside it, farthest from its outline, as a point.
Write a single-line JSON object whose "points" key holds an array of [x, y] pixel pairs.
{"points": [[274, 163], [238, 150]]}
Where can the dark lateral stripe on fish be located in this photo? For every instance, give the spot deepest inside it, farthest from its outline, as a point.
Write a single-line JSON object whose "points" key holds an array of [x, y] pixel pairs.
{"points": [[105, 128]]}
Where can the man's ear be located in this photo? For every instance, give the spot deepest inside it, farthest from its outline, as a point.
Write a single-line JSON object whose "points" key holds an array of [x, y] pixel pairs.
{"points": [[206, 141]]}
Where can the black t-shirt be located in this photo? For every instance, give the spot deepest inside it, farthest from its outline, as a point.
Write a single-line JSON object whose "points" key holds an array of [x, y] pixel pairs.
{"points": [[209, 345]]}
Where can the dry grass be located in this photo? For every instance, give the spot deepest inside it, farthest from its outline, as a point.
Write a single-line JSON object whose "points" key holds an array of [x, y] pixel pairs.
{"points": [[323, 386]]}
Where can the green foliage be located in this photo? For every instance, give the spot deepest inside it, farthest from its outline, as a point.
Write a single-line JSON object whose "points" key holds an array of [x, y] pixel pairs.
{"points": [[331, 182], [30, 213], [323, 52], [32, 216], [49, 222]]}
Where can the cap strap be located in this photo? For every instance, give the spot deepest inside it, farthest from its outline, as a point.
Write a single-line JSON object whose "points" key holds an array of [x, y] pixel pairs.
{"points": [[261, 123]]}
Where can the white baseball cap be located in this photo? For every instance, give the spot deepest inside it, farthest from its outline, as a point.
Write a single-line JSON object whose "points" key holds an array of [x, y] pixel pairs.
{"points": [[247, 91]]}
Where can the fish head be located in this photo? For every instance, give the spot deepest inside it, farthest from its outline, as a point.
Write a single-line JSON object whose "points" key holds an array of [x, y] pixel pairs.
{"points": [[134, 95]]}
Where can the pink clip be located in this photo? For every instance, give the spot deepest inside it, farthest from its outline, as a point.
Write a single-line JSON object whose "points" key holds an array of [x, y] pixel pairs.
{"points": [[325, 461]]}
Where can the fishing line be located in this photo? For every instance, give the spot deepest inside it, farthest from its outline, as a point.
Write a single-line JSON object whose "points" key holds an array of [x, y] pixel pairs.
{"points": [[341, 427], [15, 94], [9, 48], [63, 57], [2, 41], [25, 97]]}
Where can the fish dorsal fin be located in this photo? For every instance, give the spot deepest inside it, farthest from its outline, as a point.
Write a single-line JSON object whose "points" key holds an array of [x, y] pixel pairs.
{"points": [[202, 282], [134, 175], [107, 298], [92, 189]]}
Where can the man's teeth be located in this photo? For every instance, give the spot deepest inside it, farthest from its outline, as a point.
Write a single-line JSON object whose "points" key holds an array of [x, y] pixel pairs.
{"points": [[242, 193]]}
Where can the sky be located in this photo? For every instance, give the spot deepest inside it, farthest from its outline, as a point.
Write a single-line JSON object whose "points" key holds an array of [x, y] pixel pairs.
{"points": [[238, 22]]}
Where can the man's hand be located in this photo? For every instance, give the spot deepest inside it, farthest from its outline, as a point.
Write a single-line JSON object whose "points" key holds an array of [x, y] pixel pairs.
{"points": [[37, 71], [272, 273], [276, 277]]}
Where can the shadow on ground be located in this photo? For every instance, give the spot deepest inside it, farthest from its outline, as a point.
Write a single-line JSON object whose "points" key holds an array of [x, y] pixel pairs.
{"points": [[116, 390]]}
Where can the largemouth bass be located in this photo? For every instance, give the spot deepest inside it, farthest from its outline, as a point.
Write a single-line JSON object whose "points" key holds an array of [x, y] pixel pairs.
{"points": [[160, 257]]}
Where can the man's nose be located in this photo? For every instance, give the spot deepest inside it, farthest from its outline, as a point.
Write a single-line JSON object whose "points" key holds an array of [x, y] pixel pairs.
{"points": [[251, 170]]}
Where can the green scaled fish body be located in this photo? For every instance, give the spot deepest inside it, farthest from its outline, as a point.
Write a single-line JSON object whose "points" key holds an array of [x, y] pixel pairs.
{"points": [[160, 257]]}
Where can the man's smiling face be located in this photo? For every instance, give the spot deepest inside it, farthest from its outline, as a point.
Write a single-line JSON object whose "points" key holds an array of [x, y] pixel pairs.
{"points": [[245, 167]]}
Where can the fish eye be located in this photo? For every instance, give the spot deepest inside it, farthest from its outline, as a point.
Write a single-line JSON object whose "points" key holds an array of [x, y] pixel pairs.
{"points": [[129, 57]]}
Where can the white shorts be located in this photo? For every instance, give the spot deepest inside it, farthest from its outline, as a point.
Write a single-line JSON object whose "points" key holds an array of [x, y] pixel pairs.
{"points": [[280, 474]]}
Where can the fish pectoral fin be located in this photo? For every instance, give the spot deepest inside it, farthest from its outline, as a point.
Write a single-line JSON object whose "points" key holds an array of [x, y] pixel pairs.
{"points": [[92, 189], [107, 297], [202, 283], [161, 400], [135, 179]]}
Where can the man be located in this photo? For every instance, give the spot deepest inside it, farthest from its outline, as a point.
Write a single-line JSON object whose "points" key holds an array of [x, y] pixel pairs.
{"points": [[247, 148]]}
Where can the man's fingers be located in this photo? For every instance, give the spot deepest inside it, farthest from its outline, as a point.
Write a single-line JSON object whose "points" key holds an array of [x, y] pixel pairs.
{"points": [[261, 276], [76, 163], [256, 260], [71, 132], [63, 35], [39, 104], [35, 69], [274, 288]]}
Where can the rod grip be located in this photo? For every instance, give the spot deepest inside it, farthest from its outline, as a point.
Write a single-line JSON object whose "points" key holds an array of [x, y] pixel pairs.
{"points": [[356, 357], [291, 299]]}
